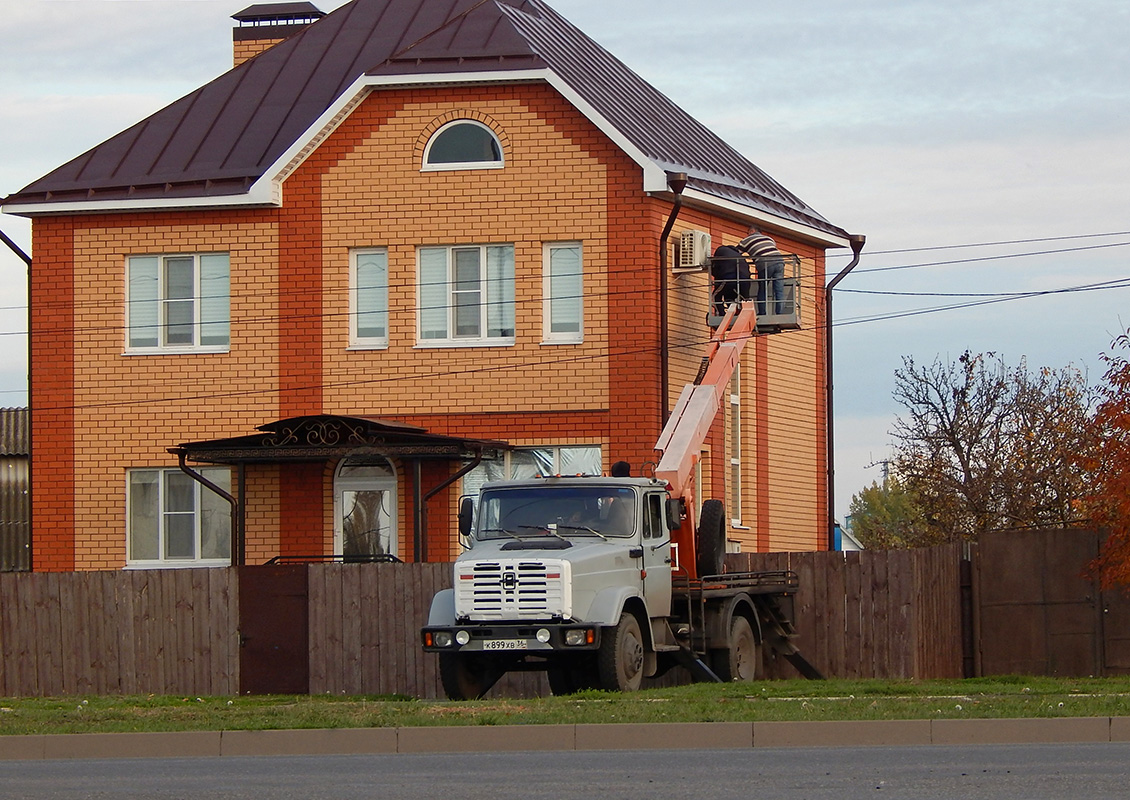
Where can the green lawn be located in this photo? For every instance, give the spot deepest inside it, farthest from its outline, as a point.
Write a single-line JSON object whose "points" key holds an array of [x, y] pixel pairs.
{"points": [[776, 700]]}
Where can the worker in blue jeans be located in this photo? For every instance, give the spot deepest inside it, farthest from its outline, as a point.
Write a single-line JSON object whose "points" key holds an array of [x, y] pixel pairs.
{"points": [[770, 264]]}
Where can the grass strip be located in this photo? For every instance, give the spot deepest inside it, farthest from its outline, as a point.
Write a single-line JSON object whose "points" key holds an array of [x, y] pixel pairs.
{"points": [[1009, 697]]}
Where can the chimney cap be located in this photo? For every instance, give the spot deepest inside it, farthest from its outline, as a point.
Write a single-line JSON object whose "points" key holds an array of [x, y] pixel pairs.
{"points": [[268, 13]]}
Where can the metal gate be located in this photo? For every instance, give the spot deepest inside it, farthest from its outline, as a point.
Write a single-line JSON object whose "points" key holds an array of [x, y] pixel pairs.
{"points": [[1038, 612], [274, 652]]}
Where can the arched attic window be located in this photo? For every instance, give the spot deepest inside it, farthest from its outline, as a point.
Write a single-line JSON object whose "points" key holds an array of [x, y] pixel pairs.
{"points": [[463, 144]]}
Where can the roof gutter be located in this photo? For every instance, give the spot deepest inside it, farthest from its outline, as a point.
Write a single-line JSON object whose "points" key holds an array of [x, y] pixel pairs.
{"points": [[857, 240]]}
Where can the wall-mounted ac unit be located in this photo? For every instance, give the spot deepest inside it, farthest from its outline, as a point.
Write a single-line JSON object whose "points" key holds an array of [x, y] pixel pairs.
{"points": [[694, 250]]}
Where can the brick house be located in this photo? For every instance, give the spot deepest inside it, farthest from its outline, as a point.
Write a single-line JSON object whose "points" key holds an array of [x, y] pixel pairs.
{"points": [[397, 249]]}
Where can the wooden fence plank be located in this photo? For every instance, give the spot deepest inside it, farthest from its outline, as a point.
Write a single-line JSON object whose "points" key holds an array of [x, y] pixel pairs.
{"points": [[853, 649]]}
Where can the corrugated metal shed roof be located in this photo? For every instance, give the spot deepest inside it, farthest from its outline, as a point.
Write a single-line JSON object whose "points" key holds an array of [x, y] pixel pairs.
{"points": [[14, 439], [223, 137]]}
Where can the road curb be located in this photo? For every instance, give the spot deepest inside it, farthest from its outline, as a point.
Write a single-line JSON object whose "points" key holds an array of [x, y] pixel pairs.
{"points": [[526, 738]]}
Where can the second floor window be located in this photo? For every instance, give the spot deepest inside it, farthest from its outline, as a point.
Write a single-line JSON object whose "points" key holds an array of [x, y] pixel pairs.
{"points": [[563, 305], [368, 298], [466, 295], [178, 302]]}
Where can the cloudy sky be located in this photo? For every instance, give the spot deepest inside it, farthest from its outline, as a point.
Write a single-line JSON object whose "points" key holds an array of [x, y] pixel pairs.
{"points": [[983, 147]]}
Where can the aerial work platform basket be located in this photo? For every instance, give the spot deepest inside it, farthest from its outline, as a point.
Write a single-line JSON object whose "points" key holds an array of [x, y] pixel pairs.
{"points": [[772, 315]]}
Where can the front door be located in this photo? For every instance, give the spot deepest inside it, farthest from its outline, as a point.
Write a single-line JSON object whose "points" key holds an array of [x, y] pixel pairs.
{"points": [[656, 556], [365, 510]]}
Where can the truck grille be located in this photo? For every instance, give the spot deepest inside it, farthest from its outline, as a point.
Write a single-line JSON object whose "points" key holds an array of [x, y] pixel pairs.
{"points": [[512, 588]]}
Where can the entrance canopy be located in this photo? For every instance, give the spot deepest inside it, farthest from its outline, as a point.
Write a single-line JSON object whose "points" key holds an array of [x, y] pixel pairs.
{"points": [[322, 437], [328, 437]]}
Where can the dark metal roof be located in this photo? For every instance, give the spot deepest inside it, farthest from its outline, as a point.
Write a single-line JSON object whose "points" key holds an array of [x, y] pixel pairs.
{"points": [[222, 137], [278, 11], [14, 439], [325, 436]]}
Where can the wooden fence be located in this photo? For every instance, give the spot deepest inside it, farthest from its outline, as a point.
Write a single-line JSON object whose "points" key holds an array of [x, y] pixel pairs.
{"points": [[872, 614], [159, 632]]}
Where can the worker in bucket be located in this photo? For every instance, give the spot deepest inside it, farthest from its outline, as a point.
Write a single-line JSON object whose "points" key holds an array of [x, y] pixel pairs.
{"points": [[770, 265], [729, 272]]}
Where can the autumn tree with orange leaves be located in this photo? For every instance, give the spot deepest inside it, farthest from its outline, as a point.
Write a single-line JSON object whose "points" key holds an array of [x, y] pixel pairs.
{"points": [[1108, 463]]}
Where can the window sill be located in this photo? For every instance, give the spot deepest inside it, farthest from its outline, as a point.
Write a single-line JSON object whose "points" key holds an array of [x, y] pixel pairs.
{"points": [[433, 344], [462, 165], [579, 340], [176, 351], [132, 565], [367, 346]]}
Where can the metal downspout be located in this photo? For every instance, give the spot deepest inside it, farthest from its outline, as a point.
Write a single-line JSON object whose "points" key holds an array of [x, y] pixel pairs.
{"points": [[236, 509], [678, 182], [478, 459], [857, 240]]}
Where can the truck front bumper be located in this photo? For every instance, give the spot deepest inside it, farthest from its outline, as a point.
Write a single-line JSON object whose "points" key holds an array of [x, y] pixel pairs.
{"points": [[498, 638]]}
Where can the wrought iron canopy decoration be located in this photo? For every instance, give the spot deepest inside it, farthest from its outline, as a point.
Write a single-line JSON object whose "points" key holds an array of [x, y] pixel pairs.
{"points": [[323, 437]]}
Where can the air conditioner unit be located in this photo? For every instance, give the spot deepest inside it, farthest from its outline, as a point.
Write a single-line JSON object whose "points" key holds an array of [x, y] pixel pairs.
{"points": [[694, 250]]}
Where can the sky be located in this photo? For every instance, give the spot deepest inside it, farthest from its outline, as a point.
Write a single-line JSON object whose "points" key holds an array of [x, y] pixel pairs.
{"points": [[982, 146]]}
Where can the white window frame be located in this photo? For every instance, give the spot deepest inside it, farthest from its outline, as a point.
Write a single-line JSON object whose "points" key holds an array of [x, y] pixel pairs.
{"points": [[735, 476], [495, 295], [148, 303], [367, 301], [427, 166], [216, 504], [474, 479], [561, 291]]}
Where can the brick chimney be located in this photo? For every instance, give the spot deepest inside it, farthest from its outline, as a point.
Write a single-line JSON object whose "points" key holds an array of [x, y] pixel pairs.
{"points": [[266, 24]]}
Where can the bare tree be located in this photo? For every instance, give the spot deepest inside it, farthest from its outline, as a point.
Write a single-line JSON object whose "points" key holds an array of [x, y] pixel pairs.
{"points": [[983, 446]]}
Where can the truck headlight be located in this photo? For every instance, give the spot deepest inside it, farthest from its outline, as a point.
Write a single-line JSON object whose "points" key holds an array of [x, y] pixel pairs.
{"points": [[543, 635], [463, 637], [442, 638], [578, 636]]}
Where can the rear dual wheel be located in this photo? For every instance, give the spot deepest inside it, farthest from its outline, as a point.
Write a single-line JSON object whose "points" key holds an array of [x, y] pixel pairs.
{"points": [[741, 661]]}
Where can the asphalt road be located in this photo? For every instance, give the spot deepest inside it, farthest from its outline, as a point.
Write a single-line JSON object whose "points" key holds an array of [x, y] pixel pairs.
{"points": [[999, 772]]}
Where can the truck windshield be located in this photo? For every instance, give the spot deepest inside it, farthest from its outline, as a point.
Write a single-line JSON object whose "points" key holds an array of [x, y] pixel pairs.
{"points": [[575, 511]]}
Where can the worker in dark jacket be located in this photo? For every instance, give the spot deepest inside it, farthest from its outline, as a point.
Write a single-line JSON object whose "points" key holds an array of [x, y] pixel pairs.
{"points": [[729, 272]]}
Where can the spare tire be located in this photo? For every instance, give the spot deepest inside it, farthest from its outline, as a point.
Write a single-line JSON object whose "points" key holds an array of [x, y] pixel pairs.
{"points": [[711, 545]]}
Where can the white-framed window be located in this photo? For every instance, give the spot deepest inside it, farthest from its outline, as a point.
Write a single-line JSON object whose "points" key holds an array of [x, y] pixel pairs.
{"points": [[736, 447], [466, 295], [563, 309], [368, 297], [463, 144], [174, 521], [530, 462], [178, 302]]}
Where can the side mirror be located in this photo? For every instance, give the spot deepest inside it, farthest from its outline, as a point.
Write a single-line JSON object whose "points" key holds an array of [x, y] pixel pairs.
{"points": [[674, 508], [466, 515]]}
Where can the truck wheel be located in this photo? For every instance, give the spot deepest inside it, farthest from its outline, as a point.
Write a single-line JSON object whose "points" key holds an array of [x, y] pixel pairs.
{"points": [[467, 677], [741, 661], [620, 658], [711, 538], [573, 678]]}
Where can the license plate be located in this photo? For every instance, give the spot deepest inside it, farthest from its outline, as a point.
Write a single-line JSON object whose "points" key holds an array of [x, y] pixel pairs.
{"points": [[504, 644]]}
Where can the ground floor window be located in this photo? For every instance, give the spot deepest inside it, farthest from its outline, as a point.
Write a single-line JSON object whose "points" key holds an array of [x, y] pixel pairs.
{"points": [[174, 521], [530, 462]]}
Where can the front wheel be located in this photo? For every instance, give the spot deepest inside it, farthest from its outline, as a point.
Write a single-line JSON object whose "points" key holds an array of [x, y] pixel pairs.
{"points": [[467, 677], [620, 658]]}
